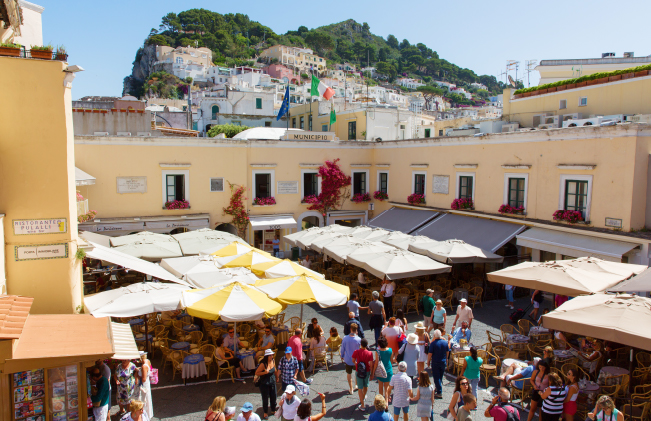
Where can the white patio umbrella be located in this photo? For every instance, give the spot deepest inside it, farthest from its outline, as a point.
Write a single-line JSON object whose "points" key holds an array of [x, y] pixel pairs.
{"points": [[558, 277], [221, 277], [306, 241], [638, 283], [141, 237], [252, 257], [291, 238], [193, 242], [403, 243], [397, 264], [334, 240], [455, 251], [594, 264], [374, 234], [179, 266], [340, 253], [112, 255], [282, 268], [152, 251]]}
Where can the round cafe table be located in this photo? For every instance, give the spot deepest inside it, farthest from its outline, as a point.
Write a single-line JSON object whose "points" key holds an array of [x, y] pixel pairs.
{"points": [[191, 328], [282, 334], [516, 338], [590, 389], [460, 293], [248, 358], [562, 353], [141, 337], [136, 322], [181, 346], [220, 323], [193, 366], [611, 371]]}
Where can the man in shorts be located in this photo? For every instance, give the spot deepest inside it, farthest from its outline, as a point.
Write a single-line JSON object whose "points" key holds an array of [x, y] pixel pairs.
{"points": [[400, 385], [349, 345], [428, 306], [363, 357]]}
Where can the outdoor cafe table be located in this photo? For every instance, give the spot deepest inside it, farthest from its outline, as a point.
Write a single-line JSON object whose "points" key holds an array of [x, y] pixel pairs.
{"points": [[455, 349], [538, 330], [460, 293], [191, 328], [516, 338], [563, 353], [282, 334], [141, 337], [136, 322], [590, 389], [247, 357], [193, 366], [181, 346], [610, 371]]}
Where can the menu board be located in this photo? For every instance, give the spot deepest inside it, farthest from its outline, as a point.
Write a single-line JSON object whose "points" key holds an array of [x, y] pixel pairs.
{"points": [[29, 395], [63, 393]]}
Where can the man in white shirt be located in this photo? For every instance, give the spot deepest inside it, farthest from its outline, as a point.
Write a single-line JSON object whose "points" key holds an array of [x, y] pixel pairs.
{"points": [[247, 413], [306, 262], [464, 313], [388, 288], [289, 402], [360, 278]]}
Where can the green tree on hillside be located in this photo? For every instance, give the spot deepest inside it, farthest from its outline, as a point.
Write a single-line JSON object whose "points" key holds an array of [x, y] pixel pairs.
{"points": [[429, 93], [393, 42]]}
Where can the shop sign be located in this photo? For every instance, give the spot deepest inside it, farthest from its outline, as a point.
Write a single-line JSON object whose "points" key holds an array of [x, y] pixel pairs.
{"points": [[132, 184], [182, 223], [124, 226], [287, 187], [440, 184], [614, 223], [41, 252], [310, 136], [40, 226]]}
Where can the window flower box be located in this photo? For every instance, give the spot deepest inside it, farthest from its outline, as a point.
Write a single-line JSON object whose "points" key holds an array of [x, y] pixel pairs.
{"points": [[511, 210], [43, 53], [562, 88], [361, 197], [264, 201], [526, 94], [614, 78], [310, 199], [10, 50], [569, 216], [628, 75], [416, 199], [177, 204], [381, 196], [462, 204]]}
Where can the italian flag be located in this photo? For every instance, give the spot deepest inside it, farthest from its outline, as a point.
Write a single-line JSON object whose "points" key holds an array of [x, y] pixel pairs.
{"points": [[320, 89]]}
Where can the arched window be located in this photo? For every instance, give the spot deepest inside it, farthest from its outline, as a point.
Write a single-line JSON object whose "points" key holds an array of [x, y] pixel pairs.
{"points": [[215, 111]]}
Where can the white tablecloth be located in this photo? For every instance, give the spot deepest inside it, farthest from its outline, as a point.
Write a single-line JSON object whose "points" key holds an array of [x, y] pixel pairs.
{"points": [[538, 330], [248, 360], [516, 339], [609, 371], [194, 370]]}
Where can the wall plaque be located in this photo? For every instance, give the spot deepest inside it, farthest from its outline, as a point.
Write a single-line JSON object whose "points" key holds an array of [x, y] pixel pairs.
{"points": [[40, 226], [132, 184], [287, 187], [440, 184], [41, 252], [613, 222]]}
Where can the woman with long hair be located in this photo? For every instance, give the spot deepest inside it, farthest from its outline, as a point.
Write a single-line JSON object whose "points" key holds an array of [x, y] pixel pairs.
{"points": [[304, 411], [393, 334], [539, 381], [424, 397], [471, 366], [605, 410], [216, 410], [384, 354], [266, 371], [401, 320], [553, 397], [569, 405], [461, 388], [423, 342]]}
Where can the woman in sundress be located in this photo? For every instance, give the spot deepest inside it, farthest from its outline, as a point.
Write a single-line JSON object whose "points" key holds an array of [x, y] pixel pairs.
{"points": [[125, 380]]}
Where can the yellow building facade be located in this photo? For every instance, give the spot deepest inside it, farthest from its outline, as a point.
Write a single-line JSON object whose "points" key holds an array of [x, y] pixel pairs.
{"points": [[38, 185], [609, 163]]}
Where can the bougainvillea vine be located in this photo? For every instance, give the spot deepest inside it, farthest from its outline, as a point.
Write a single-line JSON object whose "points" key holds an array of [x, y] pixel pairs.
{"points": [[334, 188], [237, 210]]}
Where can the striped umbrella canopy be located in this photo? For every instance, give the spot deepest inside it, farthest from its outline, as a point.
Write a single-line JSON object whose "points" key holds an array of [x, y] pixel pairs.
{"points": [[282, 268], [246, 260], [233, 249], [234, 302]]}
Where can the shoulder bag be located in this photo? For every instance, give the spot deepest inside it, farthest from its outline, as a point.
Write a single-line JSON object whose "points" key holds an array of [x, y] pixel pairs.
{"points": [[380, 370]]}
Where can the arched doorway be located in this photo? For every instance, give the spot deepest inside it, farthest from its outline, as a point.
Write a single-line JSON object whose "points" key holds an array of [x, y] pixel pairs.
{"points": [[309, 219], [230, 228]]}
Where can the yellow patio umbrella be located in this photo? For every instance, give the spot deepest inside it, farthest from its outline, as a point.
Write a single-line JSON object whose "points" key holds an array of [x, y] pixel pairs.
{"points": [[234, 249], [304, 289], [247, 260], [282, 268]]}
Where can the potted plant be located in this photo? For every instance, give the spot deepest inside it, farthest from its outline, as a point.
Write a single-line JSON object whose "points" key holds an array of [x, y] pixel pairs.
{"points": [[513, 210], [526, 94], [581, 84], [380, 195], [614, 78], [552, 89], [41, 51], [177, 204], [561, 88], [517, 96], [416, 199], [61, 53], [641, 73], [9, 49], [463, 203], [570, 86], [569, 216], [264, 201], [629, 75], [361, 197]]}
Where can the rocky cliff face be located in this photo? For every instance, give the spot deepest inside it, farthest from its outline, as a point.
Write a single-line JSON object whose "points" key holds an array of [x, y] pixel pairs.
{"points": [[143, 66]]}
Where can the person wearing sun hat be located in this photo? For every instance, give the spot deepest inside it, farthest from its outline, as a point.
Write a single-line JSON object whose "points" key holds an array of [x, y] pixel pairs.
{"points": [[411, 352], [423, 343], [267, 383], [464, 314], [247, 414]]}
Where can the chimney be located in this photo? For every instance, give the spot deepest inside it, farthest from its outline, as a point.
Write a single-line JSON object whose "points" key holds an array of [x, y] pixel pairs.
{"points": [[629, 54]]}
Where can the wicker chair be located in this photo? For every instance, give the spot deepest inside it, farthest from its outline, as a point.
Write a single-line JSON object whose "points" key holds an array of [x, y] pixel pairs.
{"points": [[474, 296], [506, 330], [524, 326], [320, 355], [495, 339], [208, 352], [224, 368], [490, 366], [636, 411], [458, 359], [177, 363], [523, 393], [294, 322], [643, 389], [447, 298], [500, 351], [643, 359], [412, 303], [196, 341]]}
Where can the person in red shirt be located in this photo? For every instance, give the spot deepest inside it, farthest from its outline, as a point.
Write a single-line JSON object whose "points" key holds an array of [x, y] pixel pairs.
{"points": [[363, 356], [296, 343]]}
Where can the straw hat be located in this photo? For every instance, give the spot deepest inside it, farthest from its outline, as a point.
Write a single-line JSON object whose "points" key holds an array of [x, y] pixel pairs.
{"points": [[420, 326], [412, 338]]}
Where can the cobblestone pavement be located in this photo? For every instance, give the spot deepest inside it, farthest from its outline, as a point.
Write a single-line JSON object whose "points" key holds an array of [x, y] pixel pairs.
{"points": [[178, 402]]}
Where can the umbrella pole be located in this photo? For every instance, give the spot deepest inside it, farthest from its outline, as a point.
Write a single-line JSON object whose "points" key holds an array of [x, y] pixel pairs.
{"points": [[237, 338], [147, 335], [301, 314]]}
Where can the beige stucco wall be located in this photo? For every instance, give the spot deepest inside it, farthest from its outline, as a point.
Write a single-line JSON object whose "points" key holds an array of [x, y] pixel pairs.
{"points": [[619, 153], [628, 96], [38, 180]]}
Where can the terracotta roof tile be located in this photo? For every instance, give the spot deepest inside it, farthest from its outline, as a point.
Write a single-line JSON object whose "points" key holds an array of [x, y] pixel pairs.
{"points": [[14, 310]]}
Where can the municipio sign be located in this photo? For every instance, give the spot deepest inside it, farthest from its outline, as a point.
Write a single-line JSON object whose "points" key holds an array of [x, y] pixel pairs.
{"points": [[40, 226]]}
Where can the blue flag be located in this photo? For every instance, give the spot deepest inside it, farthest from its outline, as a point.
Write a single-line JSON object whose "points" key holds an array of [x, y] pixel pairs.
{"points": [[285, 107]]}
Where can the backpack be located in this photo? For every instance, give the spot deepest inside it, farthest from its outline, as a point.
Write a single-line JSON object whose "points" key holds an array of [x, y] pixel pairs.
{"points": [[539, 298], [513, 414], [361, 370]]}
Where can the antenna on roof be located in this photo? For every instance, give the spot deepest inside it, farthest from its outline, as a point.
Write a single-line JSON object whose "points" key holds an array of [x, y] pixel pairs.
{"points": [[531, 64]]}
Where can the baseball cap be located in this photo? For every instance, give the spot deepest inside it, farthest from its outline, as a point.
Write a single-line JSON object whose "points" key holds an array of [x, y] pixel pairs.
{"points": [[290, 388], [248, 406], [288, 350], [429, 291]]}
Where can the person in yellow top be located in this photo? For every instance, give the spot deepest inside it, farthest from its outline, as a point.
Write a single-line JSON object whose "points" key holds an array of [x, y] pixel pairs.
{"points": [[334, 341]]}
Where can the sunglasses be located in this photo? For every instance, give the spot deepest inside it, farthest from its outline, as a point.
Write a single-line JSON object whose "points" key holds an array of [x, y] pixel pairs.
{"points": [[464, 383], [230, 331]]}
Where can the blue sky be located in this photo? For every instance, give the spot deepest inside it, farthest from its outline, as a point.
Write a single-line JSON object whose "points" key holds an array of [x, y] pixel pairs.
{"points": [[103, 36]]}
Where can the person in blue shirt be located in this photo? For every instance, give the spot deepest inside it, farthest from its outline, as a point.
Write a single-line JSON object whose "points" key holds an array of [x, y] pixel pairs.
{"points": [[353, 305], [518, 373], [437, 360], [352, 319], [462, 333], [276, 245], [350, 344], [381, 410]]}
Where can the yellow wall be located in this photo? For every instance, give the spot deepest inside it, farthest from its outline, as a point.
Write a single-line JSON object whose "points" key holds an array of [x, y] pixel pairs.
{"points": [[340, 127], [630, 96], [38, 179], [620, 154]]}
